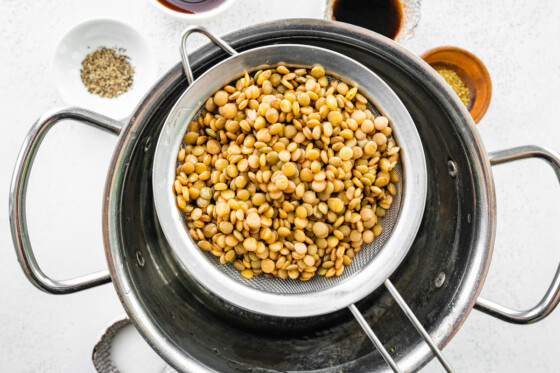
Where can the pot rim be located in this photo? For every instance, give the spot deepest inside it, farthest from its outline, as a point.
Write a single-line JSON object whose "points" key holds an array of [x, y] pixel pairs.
{"points": [[485, 218]]}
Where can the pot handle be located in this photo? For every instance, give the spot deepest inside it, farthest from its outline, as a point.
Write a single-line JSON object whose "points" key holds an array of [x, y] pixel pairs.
{"points": [[18, 195], [183, 47], [552, 296]]}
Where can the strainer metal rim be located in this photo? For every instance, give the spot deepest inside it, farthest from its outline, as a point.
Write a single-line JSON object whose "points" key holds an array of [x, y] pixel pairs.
{"points": [[346, 292]]}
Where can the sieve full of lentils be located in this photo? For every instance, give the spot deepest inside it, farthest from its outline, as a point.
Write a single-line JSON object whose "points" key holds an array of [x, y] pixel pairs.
{"points": [[286, 173]]}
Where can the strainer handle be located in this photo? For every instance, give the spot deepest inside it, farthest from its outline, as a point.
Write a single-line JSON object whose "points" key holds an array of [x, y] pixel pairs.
{"points": [[419, 327], [552, 296], [413, 319], [18, 195], [371, 335], [183, 47]]}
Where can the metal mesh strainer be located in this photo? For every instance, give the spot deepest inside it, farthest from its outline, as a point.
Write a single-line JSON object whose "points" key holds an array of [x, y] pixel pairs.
{"points": [[316, 283], [370, 268]]}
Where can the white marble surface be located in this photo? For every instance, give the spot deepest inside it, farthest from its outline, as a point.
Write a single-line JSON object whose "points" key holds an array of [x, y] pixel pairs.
{"points": [[518, 41]]}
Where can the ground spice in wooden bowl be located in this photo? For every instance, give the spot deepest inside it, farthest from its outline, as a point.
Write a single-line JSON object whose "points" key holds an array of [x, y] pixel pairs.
{"points": [[466, 74], [107, 72], [455, 81]]}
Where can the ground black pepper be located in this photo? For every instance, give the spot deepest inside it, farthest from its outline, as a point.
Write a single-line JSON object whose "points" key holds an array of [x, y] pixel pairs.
{"points": [[107, 72]]}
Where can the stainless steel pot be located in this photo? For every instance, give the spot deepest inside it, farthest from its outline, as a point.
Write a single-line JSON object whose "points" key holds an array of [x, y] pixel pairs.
{"points": [[194, 331]]}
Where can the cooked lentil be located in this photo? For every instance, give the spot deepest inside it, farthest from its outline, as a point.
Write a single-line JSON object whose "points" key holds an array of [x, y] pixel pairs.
{"points": [[286, 173]]}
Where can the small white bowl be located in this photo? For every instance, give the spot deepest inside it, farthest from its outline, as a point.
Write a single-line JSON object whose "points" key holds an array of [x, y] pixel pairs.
{"points": [[194, 17], [85, 38]]}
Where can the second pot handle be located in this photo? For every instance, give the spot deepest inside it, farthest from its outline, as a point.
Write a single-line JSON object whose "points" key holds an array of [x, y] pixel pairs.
{"points": [[552, 296], [18, 195], [183, 47]]}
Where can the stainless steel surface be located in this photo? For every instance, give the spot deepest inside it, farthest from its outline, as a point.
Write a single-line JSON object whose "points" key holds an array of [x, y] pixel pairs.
{"points": [[183, 47], [371, 335], [18, 193], [179, 318], [408, 312], [320, 295], [440, 278], [552, 296]]}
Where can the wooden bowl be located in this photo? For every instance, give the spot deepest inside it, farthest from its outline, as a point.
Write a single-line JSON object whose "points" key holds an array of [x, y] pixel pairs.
{"points": [[471, 70]]}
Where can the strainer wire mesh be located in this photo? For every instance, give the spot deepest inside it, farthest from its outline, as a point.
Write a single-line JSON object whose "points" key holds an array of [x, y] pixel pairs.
{"points": [[317, 283]]}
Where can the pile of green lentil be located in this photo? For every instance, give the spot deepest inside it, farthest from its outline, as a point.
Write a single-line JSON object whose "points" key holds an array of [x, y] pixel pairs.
{"points": [[286, 173]]}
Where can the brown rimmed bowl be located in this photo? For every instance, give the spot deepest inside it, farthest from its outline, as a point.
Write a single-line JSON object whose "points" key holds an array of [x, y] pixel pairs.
{"points": [[472, 72]]}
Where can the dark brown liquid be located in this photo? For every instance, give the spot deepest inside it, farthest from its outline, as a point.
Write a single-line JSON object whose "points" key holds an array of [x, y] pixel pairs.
{"points": [[191, 6], [381, 16]]}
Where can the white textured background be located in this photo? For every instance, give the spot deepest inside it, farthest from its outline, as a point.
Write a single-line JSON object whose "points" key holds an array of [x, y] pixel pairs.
{"points": [[517, 40]]}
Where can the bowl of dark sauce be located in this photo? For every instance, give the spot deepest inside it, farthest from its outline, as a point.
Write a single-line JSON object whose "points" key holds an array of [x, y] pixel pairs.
{"points": [[193, 10], [395, 19]]}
